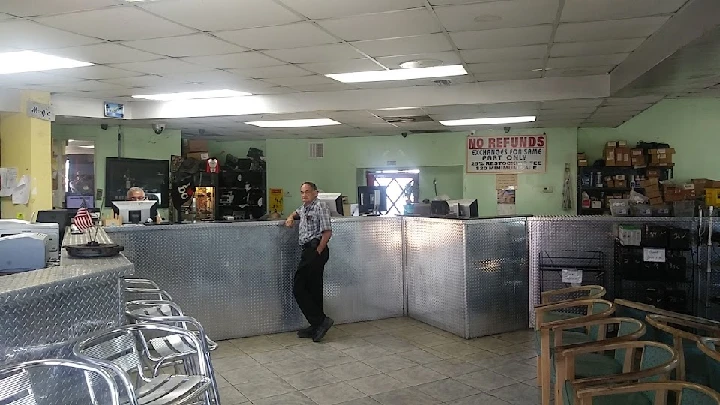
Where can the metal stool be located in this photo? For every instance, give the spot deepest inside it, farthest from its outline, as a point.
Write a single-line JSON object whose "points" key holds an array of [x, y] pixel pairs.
{"points": [[16, 386], [125, 351]]}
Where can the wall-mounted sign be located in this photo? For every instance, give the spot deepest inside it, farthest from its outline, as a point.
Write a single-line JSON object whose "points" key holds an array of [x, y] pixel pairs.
{"points": [[40, 111], [114, 110], [506, 154], [277, 203]]}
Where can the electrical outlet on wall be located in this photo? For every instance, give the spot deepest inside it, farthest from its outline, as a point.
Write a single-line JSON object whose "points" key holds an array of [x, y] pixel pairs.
{"points": [[547, 189]]}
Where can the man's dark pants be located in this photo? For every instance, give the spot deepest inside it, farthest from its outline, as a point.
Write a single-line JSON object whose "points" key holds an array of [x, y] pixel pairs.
{"points": [[308, 283]]}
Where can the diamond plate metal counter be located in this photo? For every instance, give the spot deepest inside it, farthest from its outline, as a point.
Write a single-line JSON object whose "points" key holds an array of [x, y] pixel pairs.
{"points": [[236, 279], [588, 233], [43, 312]]}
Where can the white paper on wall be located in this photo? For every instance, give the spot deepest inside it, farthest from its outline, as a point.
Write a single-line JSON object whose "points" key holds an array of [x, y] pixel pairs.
{"points": [[8, 181], [21, 194]]}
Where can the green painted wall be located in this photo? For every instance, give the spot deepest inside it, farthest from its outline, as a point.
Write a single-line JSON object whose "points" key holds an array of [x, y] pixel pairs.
{"points": [[289, 166], [691, 126], [137, 143]]}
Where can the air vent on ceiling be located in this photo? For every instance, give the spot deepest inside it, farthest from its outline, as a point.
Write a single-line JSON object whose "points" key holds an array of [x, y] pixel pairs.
{"points": [[408, 119], [316, 151], [443, 82]]}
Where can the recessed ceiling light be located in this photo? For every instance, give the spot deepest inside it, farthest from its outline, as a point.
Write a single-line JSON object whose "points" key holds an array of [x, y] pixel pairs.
{"points": [[29, 61], [86, 146], [541, 69], [399, 74], [487, 18], [396, 108], [316, 122], [192, 95], [488, 121], [421, 63]]}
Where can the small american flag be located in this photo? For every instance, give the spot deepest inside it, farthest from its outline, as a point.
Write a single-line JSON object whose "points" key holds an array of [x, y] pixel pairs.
{"points": [[83, 219]]}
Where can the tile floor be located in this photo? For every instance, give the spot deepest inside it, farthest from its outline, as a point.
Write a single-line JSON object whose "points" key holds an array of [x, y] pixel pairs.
{"points": [[391, 362]]}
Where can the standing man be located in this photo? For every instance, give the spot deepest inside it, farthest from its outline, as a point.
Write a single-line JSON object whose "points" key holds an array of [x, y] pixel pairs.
{"points": [[315, 233]]}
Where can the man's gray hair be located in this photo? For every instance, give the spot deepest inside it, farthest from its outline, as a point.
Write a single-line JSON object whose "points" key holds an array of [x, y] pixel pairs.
{"points": [[133, 190]]}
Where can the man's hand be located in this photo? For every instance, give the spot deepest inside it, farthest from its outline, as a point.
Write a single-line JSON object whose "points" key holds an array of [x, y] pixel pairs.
{"points": [[320, 250], [290, 222]]}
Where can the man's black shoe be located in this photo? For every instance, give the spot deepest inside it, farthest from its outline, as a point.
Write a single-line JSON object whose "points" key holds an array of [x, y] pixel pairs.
{"points": [[306, 333], [323, 329]]}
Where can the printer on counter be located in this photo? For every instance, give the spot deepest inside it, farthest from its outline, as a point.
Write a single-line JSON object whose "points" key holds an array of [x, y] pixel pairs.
{"points": [[23, 252], [52, 230]]}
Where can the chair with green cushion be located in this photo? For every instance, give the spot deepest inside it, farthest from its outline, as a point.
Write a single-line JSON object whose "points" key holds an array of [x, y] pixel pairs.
{"points": [[630, 361], [683, 335], [570, 294], [648, 393], [640, 311], [710, 347], [568, 332]]}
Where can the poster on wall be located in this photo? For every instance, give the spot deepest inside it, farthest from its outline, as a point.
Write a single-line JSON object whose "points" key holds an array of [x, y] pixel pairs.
{"points": [[277, 203], [507, 154]]}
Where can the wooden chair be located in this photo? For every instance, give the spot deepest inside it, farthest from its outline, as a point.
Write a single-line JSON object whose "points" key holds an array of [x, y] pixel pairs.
{"points": [[551, 332], [572, 294], [640, 311], [632, 361], [710, 347], [683, 335], [649, 393]]}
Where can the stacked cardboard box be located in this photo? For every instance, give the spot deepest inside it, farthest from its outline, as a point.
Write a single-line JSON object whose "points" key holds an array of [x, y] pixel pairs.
{"points": [[582, 160], [661, 157], [679, 192], [637, 158], [617, 153], [197, 149], [652, 191]]}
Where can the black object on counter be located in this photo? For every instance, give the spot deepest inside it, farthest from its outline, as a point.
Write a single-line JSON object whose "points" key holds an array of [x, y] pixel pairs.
{"points": [[93, 250]]}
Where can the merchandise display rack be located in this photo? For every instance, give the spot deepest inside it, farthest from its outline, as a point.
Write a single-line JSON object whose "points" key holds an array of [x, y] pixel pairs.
{"points": [[552, 264]]}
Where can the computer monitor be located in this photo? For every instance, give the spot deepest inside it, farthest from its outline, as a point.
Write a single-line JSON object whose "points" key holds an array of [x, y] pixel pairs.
{"points": [[334, 202], [367, 201], [76, 201], [134, 212], [60, 217]]}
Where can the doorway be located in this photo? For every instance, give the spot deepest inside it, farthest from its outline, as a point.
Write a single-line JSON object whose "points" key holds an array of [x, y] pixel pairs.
{"points": [[402, 187], [79, 174]]}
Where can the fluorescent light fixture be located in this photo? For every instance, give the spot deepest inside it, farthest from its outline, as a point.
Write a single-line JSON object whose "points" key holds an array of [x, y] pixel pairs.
{"points": [[397, 108], [86, 146], [399, 74], [488, 121], [317, 122], [192, 95], [29, 61]]}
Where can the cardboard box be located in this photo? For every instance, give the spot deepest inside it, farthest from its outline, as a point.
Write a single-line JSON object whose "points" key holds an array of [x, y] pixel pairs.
{"points": [[652, 192], [653, 181], [610, 157], [621, 184], [198, 155], [638, 161], [582, 162], [636, 152], [622, 156], [655, 201], [653, 173], [621, 143], [581, 156], [611, 144], [668, 151], [620, 177], [197, 145]]}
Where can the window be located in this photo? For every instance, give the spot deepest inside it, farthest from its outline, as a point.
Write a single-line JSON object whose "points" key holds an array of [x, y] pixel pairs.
{"points": [[402, 187]]}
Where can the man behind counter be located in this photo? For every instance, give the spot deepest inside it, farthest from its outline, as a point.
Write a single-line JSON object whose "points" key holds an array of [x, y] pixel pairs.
{"points": [[138, 194]]}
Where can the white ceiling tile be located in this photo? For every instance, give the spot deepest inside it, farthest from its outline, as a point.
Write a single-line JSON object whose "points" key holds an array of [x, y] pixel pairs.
{"points": [[633, 100], [583, 71], [399, 113], [300, 81], [501, 76], [36, 36], [342, 66], [116, 24], [91, 85], [456, 2], [271, 72], [204, 77], [605, 30], [323, 53], [405, 45], [140, 81], [95, 73], [586, 61], [583, 10], [572, 103], [296, 35], [502, 38], [622, 109], [499, 14], [447, 58], [104, 53], [321, 9], [324, 87], [217, 15], [185, 45], [36, 78], [595, 47], [161, 67], [234, 60], [502, 67], [383, 25], [567, 110], [504, 54], [24, 8]]}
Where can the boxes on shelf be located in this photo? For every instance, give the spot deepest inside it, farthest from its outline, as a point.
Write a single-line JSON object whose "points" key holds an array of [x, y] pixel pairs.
{"points": [[661, 210], [712, 197], [198, 155], [641, 210], [701, 185], [609, 156], [663, 156], [657, 201], [582, 162], [684, 208], [653, 173], [629, 235], [622, 156], [197, 145], [650, 182], [619, 207]]}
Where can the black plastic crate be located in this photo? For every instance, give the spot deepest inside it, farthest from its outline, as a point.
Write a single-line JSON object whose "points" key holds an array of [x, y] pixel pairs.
{"points": [[655, 236], [679, 238]]}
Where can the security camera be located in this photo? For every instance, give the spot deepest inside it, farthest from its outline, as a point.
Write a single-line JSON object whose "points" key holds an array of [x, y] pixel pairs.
{"points": [[104, 127], [507, 130], [158, 128], [473, 132], [404, 134]]}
